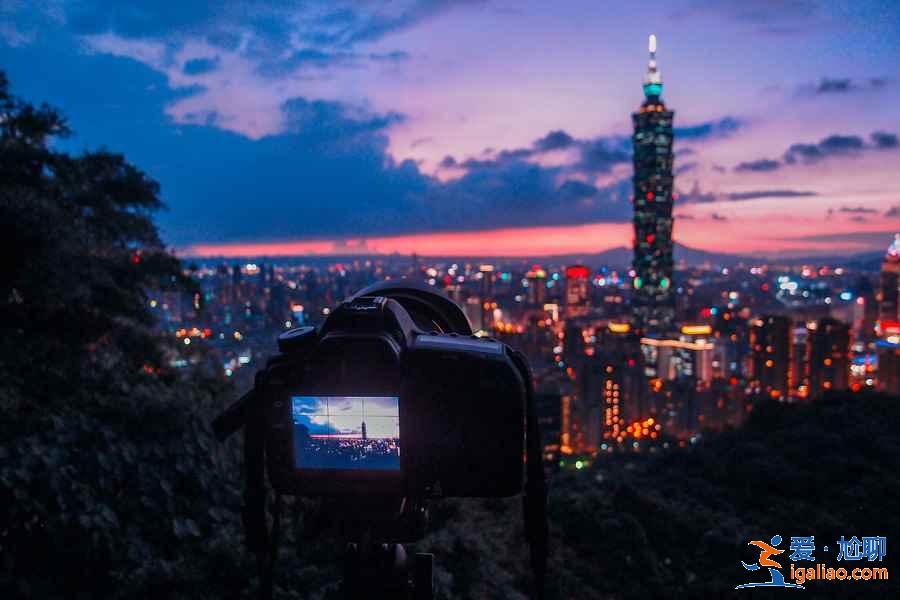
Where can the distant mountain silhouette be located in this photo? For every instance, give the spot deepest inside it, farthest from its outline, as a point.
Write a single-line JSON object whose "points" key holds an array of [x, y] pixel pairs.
{"points": [[616, 258]]}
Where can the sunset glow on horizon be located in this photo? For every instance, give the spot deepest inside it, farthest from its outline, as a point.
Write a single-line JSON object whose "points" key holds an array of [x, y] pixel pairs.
{"points": [[549, 241]]}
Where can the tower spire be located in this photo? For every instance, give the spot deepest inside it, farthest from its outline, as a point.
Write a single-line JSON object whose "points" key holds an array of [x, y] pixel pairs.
{"points": [[894, 249], [652, 80]]}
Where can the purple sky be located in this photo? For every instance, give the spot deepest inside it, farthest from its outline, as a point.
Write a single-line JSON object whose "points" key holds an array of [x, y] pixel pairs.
{"points": [[408, 126]]}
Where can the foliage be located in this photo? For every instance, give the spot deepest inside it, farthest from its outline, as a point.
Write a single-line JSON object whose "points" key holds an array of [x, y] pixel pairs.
{"points": [[73, 292]]}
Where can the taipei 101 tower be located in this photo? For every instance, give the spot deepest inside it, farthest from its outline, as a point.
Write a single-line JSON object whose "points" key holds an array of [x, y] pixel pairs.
{"points": [[653, 300]]}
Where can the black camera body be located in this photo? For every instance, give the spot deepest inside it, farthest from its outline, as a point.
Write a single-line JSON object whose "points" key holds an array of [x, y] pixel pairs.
{"points": [[392, 395], [390, 403]]}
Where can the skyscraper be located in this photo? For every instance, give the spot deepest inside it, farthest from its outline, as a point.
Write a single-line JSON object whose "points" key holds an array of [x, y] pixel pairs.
{"points": [[653, 298], [889, 295]]}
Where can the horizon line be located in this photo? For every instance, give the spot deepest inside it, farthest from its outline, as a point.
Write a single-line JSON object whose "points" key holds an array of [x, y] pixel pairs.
{"points": [[730, 241]]}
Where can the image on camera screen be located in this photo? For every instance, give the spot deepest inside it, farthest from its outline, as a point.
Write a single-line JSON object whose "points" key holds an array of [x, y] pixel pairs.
{"points": [[346, 432]]}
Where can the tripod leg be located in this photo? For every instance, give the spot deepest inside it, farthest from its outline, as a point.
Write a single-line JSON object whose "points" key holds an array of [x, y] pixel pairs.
{"points": [[423, 583], [352, 562]]}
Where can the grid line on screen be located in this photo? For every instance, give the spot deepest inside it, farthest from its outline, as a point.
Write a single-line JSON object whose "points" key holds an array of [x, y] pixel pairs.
{"points": [[346, 432]]}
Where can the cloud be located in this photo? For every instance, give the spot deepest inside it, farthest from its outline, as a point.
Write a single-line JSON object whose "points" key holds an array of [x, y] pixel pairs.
{"points": [[242, 61], [199, 66], [307, 59], [766, 16], [323, 60], [832, 146], [14, 36], [841, 86], [333, 121], [757, 194], [577, 190], [857, 214], [395, 56], [517, 193], [592, 156], [758, 166], [893, 212], [600, 155], [696, 196], [376, 25], [686, 168], [861, 240], [329, 175], [555, 140], [884, 140], [857, 210], [829, 86], [717, 217], [320, 22], [721, 128]]}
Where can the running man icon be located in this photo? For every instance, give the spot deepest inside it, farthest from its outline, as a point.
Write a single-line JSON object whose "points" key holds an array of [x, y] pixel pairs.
{"points": [[767, 551]]}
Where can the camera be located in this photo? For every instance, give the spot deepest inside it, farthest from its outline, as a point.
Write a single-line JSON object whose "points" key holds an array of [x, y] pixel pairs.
{"points": [[394, 395], [388, 404]]}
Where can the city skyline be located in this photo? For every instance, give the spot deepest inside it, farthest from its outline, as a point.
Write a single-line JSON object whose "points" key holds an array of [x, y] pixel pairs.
{"points": [[333, 130]]}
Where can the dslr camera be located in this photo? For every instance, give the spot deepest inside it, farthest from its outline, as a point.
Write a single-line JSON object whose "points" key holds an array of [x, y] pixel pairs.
{"points": [[392, 401]]}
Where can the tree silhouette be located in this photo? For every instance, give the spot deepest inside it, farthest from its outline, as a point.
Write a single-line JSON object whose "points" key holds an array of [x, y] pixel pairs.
{"points": [[85, 252]]}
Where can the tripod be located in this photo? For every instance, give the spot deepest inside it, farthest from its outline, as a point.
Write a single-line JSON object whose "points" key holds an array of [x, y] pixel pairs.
{"points": [[376, 564], [380, 571]]}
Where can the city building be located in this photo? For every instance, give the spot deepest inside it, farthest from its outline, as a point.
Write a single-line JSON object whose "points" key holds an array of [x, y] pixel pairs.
{"points": [[536, 282], [889, 364], [686, 357], [548, 407], [578, 291], [488, 304], [654, 296], [771, 356], [889, 294], [828, 356]]}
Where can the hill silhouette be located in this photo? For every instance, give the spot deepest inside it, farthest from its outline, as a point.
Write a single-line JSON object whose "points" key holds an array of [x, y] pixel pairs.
{"points": [[678, 524]]}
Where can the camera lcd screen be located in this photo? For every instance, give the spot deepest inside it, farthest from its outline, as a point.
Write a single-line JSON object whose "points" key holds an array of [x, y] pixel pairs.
{"points": [[346, 432]]}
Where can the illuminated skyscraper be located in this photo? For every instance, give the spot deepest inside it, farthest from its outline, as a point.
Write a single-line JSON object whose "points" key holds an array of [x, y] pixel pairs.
{"points": [[889, 295], [578, 290], [653, 298]]}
